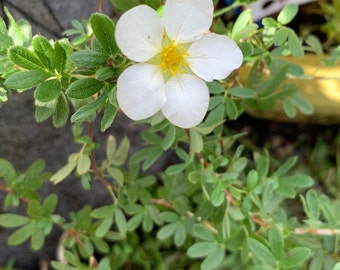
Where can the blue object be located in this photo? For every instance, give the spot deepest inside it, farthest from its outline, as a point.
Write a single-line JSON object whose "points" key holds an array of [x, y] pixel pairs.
{"points": [[237, 10]]}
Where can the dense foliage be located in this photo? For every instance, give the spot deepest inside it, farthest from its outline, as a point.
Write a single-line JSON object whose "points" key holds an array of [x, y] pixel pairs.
{"points": [[222, 205]]}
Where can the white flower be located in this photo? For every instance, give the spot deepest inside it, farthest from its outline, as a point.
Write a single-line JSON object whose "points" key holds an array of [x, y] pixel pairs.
{"points": [[175, 55]]}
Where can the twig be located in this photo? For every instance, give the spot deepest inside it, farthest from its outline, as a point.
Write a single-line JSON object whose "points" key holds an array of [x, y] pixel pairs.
{"points": [[317, 231], [4, 188], [111, 188], [100, 5], [167, 204]]}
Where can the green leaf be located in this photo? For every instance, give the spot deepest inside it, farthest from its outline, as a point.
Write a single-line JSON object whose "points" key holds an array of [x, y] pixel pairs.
{"points": [[217, 196], [25, 79], [13, 220], [166, 231], [134, 222], [280, 36], [277, 78], [239, 164], [240, 24], [43, 110], [7, 170], [111, 147], [104, 264], [87, 110], [21, 235], [73, 259], [276, 241], [236, 213], [295, 257], [287, 14], [104, 30], [84, 88], [61, 57], [117, 175], [84, 164], [89, 58], [201, 249], [246, 32], [313, 204], [61, 112], [149, 155], [105, 73], [62, 266], [180, 234], [108, 117], [303, 105], [260, 267], [34, 210], [285, 167], [196, 141], [154, 213], [215, 87], [231, 108], [122, 152], [104, 226], [315, 45], [302, 181], [14, 30], [5, 40], [101, 245], [213, 259], [247, 49], [175, 169], [121, 221], [242, 92], [38, 238], [294, 44], [270, 22], [260, 252], [289, 107], [45, 51], [169, 137], [252, 179], [50, 204], [48, 90], [336, 266], [215, 116], [25, 58], [103, 211], [202, 232], [147, 223], [66, 170], [123, 5]]}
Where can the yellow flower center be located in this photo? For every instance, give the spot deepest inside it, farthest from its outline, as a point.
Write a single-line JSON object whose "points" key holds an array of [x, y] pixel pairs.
{"points": [[173, 59]]}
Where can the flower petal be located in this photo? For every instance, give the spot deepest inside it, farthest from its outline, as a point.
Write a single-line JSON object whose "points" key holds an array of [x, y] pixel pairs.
{"points": [[139, 33], [140, 91], [187, 20], [187, 100], [214, 57]]}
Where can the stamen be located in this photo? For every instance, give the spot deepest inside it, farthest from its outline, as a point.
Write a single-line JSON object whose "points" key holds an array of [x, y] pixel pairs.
{"points": [[173, 59]]}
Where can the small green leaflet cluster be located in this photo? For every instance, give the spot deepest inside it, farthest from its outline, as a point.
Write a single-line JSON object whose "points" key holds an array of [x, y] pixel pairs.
{"points": [[43, 68], [19, 34], [60, 76], [264, 48], [39, 220], [22, 184]]}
